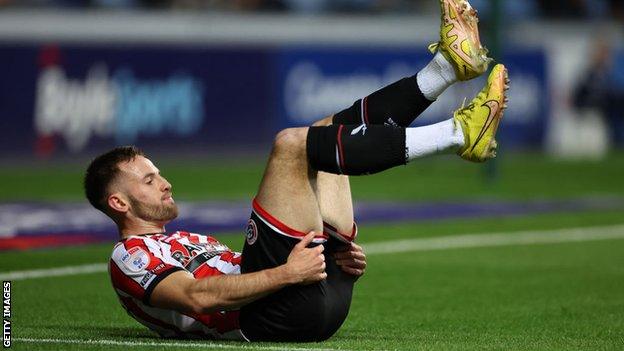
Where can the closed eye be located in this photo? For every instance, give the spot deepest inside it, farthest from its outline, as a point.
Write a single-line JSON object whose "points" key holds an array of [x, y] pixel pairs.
{"points": [[149, 178]]}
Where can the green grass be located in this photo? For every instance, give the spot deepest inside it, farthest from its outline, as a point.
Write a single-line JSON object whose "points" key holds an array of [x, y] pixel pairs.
{"points": [[545, 297], [542, 297], [521, 176], [566, 296]]}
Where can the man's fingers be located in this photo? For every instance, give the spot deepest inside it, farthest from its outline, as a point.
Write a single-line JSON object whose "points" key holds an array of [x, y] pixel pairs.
{"points": [[356, 247], [340, 255], [350, 254], [320, 248], [305, 241], [353, 271], [351, 263], [350, 247], [358, 255], [343, 262], [315, 278], [343, 255]]}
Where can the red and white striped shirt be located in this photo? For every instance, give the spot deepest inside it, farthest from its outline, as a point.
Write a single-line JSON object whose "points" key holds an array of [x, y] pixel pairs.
{"points": [[139, 263]]}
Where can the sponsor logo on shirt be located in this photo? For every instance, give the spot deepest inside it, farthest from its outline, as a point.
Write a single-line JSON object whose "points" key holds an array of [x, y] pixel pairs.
{"points": [[158, 268], [136, 260], [146, 278]]}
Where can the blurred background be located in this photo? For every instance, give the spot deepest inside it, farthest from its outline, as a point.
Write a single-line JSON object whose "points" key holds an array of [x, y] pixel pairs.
{"points": [[204, 85]]}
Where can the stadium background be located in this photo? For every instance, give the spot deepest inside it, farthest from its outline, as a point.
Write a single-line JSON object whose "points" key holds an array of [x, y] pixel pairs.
{"points": [[528, 252]]}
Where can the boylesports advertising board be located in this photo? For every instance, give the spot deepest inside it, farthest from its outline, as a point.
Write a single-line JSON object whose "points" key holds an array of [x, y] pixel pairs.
{"points": [[80, 99]]}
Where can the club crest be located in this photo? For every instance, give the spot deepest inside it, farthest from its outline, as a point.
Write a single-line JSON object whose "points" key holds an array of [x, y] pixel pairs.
{"points": [[251, 233]]}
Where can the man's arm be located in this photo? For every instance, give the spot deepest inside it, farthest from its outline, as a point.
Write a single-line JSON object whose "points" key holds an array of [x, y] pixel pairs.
{"points": [[182, 292]]}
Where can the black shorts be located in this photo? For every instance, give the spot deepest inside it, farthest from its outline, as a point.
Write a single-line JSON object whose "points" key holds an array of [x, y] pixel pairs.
{"points": [[299, 312]]}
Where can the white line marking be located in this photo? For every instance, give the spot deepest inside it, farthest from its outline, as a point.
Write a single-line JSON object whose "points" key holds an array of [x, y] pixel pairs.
{"points": [[206, 345], [55, 272], [534, 237]]}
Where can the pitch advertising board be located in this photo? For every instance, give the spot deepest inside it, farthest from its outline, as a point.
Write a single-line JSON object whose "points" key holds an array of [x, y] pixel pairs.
{"points": [[316, 82], [79, 99], [70, 99]]}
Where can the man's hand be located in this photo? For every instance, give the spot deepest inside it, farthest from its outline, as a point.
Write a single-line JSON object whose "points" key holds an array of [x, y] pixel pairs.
{"points": [[351, 259], [306, 265], [180, 291]]}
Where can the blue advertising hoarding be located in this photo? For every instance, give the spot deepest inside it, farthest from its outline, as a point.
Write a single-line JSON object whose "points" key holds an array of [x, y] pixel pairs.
{"points": [[70, 99], [316, 82], [73, 99]]}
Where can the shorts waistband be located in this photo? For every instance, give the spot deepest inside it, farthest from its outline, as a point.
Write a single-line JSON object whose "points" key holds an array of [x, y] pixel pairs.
{"points": [[282, 228]]}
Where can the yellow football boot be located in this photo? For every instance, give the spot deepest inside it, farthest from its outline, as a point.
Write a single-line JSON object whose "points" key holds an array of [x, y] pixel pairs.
{"points": [[459, 39], [479, 120]]}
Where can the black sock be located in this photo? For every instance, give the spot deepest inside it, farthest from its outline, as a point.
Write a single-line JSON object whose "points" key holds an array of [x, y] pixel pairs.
{"points": [[355, 150], [397, 104]]}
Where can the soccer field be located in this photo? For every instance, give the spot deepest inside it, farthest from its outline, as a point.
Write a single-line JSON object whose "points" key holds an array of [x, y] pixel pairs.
{"points": [[536, 281]]}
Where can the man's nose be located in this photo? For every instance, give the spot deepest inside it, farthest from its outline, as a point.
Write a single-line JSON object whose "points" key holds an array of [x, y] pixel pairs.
{"points": [[166, 186]]}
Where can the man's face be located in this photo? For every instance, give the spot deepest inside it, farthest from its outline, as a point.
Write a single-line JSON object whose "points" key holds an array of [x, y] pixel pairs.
{"points": [[148, 193]]}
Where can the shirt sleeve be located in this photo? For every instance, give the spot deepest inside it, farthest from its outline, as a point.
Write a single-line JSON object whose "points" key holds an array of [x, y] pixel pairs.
{"points": [[138, 265]]}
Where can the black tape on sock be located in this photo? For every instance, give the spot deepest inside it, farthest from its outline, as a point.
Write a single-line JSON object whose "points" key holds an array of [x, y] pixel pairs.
{"points": [[397, 104], [355, 150]]}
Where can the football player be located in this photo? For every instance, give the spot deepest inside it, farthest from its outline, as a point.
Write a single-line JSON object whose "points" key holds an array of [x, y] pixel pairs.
{"points": [[295, 276]]}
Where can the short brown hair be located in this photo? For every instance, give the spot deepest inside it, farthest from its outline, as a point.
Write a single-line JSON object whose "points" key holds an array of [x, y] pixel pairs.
{"points": [[102, 172]]}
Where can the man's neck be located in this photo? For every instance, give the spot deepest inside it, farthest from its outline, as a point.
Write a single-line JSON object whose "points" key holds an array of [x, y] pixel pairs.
{"points": [[129, 229]]}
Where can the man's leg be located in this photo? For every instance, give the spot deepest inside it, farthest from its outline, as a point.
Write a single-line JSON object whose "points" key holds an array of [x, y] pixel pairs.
{"points": [[291, 201], [287, 187], [300, 197], [368, 149], [459, 55], [287, 205], [333, 194], [295, 196], [285, 209]]}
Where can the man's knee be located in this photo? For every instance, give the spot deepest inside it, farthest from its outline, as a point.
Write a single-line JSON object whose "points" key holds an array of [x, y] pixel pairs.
{"points": [[291, 141]]}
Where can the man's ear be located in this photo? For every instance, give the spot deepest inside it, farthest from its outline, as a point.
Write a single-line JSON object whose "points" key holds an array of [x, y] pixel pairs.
{"points": [[118, 203]]}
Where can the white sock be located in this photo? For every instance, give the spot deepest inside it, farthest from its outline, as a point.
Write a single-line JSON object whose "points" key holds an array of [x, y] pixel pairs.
{"points": [[436, 77], [440, 138]]}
